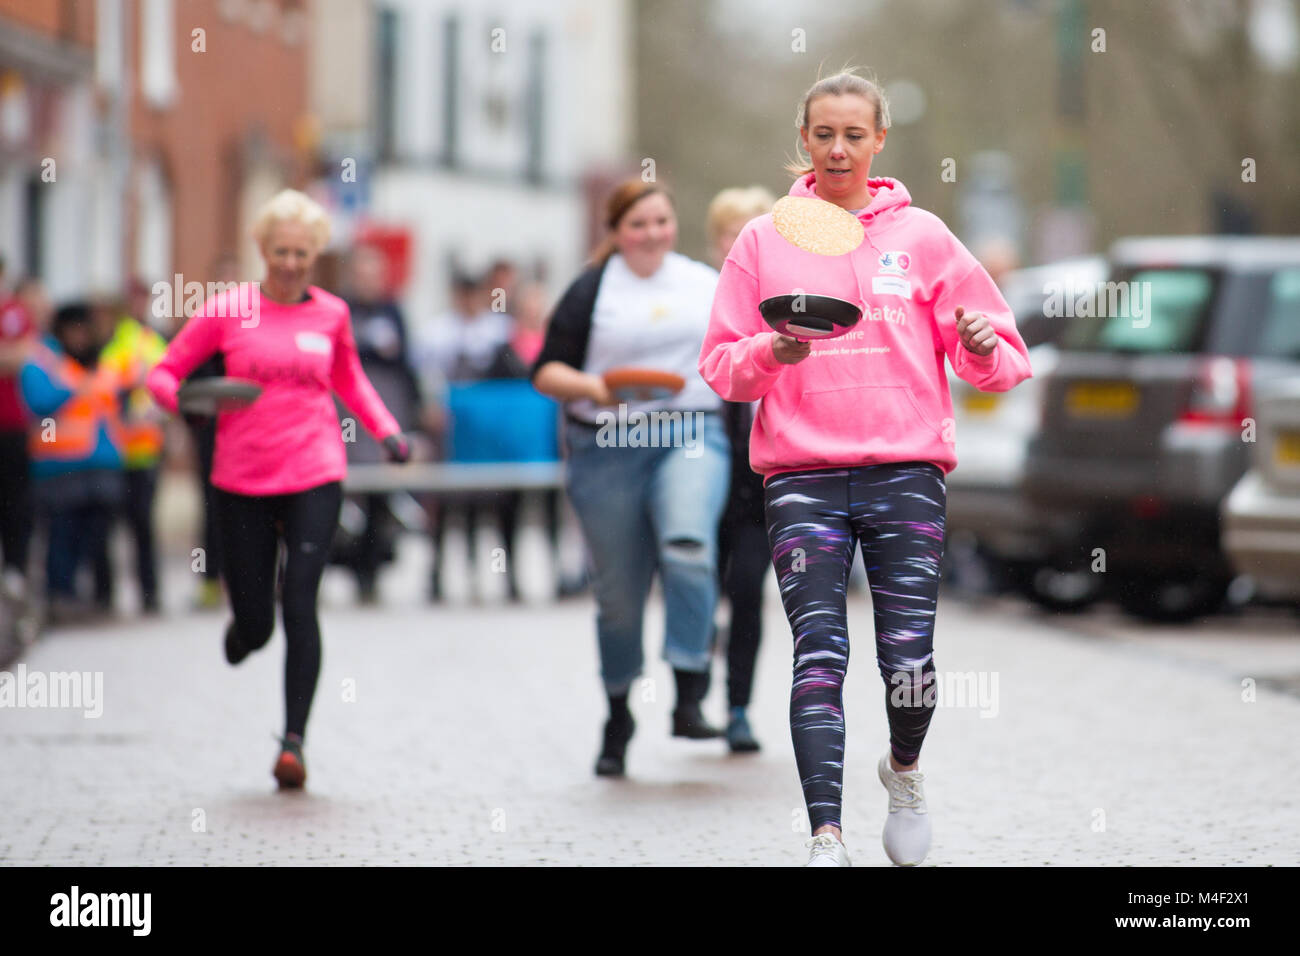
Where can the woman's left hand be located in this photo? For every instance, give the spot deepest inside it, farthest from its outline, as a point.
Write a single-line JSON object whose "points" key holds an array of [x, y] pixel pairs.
{"points": [[398, 448], [976, 331]]}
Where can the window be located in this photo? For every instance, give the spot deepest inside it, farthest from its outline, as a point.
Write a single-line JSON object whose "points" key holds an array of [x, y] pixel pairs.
{"points": [[1281, 337], [153, 223], [34, 200], [1150, 310], [293, 23], [157, 51], [109, 64], [450, 90], [386, 83], [535, 108]]}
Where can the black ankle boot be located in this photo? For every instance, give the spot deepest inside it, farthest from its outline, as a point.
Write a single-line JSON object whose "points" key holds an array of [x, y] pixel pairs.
{"points": [[688, 719], [235, 650], [618, 731]]}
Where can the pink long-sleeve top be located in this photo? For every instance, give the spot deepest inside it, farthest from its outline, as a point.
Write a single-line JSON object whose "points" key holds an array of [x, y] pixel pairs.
{"points": [[880, 393], [289, 439]]}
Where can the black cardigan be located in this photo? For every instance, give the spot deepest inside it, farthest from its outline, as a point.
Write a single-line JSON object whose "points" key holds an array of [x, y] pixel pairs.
{"points": [[569, 330]]}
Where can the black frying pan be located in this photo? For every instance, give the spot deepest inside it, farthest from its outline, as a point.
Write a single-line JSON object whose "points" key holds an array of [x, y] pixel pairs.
{"points": [[807, 316]]}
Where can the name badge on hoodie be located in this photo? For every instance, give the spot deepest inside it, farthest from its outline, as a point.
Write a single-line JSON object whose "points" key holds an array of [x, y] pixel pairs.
{"points": [[312, 342], [891, 285]]}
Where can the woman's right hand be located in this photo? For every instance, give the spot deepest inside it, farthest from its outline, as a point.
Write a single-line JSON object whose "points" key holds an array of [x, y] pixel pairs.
{"points": [[599, 392], [790, 351]]}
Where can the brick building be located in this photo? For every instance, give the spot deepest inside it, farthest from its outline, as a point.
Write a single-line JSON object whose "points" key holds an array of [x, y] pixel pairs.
{"points": [[137, 137]]}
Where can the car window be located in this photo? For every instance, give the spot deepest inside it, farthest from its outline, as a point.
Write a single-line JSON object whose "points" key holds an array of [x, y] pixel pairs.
{"points": [[1027, 308], [1146, 310], [1281, 332]]}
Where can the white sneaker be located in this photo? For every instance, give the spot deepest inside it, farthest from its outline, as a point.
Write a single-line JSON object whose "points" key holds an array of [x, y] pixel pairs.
{"points": [[14, 585], [907, 828], [827, 851]]}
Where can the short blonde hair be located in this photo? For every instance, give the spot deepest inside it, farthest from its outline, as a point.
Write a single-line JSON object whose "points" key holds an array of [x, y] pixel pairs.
{"points": [[737, 205], [289, 205]]}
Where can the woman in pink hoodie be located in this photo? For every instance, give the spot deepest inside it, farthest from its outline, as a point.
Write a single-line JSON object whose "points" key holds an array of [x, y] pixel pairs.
{"points": [[279, 463], [854, 436]]}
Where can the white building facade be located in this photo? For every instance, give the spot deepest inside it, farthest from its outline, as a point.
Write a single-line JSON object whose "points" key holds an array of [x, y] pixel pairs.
{"points": [[483, 132]]}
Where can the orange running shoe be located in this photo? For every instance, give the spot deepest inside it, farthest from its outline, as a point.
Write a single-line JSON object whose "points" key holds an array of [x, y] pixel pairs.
{"points": [[290, 769]]}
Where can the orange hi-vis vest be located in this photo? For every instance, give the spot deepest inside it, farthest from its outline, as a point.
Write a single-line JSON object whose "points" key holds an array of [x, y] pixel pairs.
{"points": [[74, 431]]}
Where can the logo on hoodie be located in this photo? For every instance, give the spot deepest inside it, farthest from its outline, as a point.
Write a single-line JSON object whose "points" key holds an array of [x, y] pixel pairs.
{"points": [[895, 263], [892, 279]]}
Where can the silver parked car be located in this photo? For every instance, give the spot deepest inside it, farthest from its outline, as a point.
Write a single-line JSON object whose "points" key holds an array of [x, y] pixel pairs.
{"points": [[989, 519], [1261, 517], [1146, 415]]}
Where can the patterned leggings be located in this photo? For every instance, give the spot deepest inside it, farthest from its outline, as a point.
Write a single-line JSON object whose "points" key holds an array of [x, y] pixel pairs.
{"points": [[814, 519]]}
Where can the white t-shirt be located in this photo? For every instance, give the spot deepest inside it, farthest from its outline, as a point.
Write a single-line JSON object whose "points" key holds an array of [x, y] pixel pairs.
{"points": [[657, 322], [459, 348]]}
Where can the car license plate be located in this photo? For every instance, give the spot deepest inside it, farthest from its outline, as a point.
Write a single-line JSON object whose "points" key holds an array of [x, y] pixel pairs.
{"points": [[1286, 450], [981, 403], [1101, 399]]}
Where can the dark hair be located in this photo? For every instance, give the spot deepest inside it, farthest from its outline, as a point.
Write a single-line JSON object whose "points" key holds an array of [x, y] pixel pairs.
{"points": [[625, 195], [71, 313], [463, 281], [845, 81]]}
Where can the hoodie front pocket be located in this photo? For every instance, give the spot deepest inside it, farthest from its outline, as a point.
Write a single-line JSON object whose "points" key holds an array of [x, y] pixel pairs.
{"points": [[866, 421]]}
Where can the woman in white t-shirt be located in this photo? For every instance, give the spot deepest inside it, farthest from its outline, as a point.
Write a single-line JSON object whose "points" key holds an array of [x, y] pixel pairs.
{"points": [[648, 479]]}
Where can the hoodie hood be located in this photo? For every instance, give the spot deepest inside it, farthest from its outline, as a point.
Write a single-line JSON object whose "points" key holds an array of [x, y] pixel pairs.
{"points": [[889, 199], [888, 196]]}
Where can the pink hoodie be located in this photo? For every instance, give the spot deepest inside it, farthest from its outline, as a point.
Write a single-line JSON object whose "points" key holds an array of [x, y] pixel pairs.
{"points": [[880, 393], [288, 439]]}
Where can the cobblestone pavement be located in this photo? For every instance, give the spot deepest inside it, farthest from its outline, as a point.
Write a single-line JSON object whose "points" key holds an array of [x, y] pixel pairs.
{"points": [[467, 736]]}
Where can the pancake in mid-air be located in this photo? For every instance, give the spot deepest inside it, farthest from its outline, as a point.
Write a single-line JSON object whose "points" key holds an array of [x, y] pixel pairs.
{"points": [[817, 226]]}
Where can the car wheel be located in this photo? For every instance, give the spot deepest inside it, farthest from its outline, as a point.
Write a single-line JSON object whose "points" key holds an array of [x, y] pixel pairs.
{"points": [[1066, 590], [967, 571], [1171, 599]]}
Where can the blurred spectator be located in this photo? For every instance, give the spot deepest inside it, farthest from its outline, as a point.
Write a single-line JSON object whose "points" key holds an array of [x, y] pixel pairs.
{"points": [[203, 430], [743, 551], [502, 284], [383, 347], [18, 327], [75, 448], [463, 346], [132, 351], [515, 357]]}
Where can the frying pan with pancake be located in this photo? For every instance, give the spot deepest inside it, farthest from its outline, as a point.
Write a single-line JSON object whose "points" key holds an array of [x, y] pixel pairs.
{"points": [[208, 396], [642, 384], [805, 316], [824, 229]]}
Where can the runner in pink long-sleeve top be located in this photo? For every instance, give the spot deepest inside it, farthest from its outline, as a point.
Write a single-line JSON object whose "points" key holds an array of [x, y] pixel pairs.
{"points": [[279, 463], [289, 439]]}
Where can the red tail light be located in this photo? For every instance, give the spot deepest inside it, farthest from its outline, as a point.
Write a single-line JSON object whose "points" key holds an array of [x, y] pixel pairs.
{"points": [[1148, 506], [1221, 393]]}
